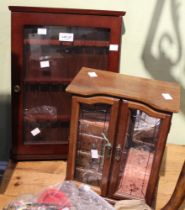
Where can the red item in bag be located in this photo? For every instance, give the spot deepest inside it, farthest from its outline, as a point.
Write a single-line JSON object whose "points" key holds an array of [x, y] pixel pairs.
{"points": [[56, 197]]}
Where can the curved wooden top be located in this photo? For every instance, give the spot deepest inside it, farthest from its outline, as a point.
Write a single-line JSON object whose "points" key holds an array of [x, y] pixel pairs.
{"points": [[147, 91]]}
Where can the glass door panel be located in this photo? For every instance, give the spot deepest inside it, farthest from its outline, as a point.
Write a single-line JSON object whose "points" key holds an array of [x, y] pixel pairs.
{"points": [[52, 57], [93, 126], [137, 154], [46, 114], [56, 53]]}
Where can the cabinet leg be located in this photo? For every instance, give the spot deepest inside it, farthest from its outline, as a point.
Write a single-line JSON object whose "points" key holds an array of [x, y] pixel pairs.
{"points": [[178, 195]]}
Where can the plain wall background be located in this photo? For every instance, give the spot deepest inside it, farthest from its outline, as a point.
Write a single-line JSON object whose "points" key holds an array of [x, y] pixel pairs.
{"points": [[153, 46]]}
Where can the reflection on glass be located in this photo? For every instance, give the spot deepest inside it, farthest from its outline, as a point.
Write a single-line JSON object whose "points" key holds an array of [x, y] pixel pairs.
{"points": [[93, 122], [46, 118], [52, 57], [58, 52], [138, 154]]}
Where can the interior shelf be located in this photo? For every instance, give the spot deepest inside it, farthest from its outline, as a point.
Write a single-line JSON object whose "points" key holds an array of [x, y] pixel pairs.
{"points": [[61, 118], [43, 80], [86, 43]]}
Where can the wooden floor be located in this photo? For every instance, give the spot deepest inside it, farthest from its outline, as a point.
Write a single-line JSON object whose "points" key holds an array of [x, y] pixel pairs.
{"points": [[31, 177]]}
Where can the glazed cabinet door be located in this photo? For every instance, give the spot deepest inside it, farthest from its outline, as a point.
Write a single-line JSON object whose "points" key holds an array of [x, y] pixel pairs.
{"points": [[47, 52], [93, 125], [138, 152]]}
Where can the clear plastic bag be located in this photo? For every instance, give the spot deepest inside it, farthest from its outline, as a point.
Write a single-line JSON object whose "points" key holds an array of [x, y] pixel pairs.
{"points": [[65, 196], [43, 110]]}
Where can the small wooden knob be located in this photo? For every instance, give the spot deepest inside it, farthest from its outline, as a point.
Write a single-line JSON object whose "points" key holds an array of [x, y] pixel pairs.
{"points": [[17, 88]]}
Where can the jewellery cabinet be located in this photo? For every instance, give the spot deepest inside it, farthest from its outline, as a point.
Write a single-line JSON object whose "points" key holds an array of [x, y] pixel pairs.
{"points": [[118, 132]]}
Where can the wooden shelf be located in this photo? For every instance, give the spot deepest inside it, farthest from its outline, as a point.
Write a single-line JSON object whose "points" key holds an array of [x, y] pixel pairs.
{"points": [[48, 142], [76, 43], [50, 80], [42, 117]]}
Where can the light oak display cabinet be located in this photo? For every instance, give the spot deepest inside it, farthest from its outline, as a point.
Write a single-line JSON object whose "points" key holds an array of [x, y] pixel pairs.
{"points": [[119, 127], [49, 46]]}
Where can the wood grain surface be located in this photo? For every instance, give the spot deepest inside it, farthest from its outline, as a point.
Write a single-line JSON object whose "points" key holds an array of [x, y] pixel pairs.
{"points": [[147, 91], [31, 177]]}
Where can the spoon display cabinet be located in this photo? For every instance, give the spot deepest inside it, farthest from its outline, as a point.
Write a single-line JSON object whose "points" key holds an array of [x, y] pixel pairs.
{"points": [[48, 48]]}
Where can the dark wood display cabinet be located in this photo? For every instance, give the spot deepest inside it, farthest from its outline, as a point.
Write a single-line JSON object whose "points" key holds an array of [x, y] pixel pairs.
{"points": [[119, 127], [49, 46]]}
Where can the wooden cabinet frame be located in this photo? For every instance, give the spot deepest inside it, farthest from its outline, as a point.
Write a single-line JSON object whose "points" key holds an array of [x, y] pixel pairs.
{"points": [[138, 131], [160, 146], [33, 80], [73, 134]]}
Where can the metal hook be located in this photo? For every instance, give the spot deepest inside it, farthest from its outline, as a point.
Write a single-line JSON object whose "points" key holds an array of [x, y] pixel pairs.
{"points": [[108, 146]]}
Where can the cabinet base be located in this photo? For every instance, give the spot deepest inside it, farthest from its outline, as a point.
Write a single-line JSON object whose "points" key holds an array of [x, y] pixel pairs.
{"points": [[19, 157]]}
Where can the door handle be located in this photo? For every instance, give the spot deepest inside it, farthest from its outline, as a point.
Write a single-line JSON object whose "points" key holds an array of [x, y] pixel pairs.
{"points": [[108, 150], [17, 88], [108, 147], [118, 152]]}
